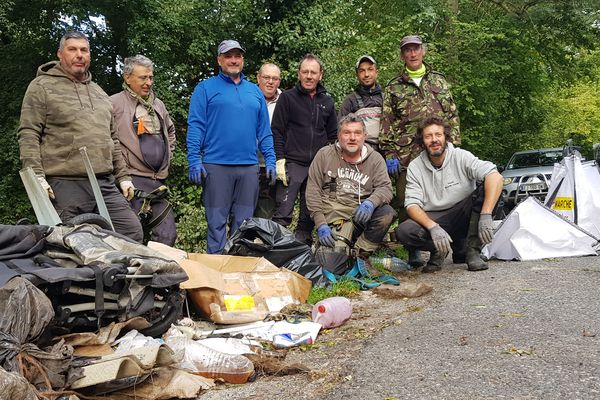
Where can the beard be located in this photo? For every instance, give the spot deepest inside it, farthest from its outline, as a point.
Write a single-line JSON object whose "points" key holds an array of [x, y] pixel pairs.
{"points": [[437, 153]]}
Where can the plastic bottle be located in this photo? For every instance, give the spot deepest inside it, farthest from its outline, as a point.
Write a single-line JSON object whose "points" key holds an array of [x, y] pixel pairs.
{"points": [[332, 312], [393, 264], [202, 360]]}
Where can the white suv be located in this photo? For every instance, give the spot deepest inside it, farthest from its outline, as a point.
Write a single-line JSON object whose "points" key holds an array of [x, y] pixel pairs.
{"points": [[528, 173]]}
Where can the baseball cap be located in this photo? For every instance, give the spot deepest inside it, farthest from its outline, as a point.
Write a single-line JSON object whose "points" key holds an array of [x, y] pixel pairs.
{"points": [[229, 44], [413, 39], [364, 58]]}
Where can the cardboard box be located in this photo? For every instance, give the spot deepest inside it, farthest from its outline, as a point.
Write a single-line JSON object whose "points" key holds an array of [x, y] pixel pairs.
{"points": [[236, 290]]}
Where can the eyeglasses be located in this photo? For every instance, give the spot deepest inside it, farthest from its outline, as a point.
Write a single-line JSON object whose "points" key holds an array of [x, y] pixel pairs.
{"points": [[145, 78], [270, 78]]}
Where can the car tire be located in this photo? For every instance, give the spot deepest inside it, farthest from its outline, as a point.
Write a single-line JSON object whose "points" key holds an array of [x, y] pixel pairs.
{"points": [[91, 218]]}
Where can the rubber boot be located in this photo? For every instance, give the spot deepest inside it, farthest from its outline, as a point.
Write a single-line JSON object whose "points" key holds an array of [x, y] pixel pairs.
{"points": [[414, 258], [435, 262], [474, 261]]}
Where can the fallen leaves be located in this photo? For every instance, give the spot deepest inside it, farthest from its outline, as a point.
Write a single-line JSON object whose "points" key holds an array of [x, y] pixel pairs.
{"points": [[515, 351], [586, 333]]}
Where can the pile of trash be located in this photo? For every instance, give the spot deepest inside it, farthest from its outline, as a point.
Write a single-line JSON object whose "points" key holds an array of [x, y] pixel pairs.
{"points": [[87, 312]]}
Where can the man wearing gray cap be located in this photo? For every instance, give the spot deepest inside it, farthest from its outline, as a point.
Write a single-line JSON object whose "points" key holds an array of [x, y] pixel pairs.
{"points": [[417, 92], [366, 101], [227, 122]]}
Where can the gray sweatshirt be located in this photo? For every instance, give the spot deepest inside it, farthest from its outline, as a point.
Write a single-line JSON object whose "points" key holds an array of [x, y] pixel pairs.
{"points": [[439, 189]]}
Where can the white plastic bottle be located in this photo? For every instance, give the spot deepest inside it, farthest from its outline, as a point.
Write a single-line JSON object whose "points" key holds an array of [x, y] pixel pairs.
{"points": [[332, 312]]}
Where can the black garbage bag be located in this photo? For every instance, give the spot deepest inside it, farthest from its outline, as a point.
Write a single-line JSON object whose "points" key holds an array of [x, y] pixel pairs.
{"points": [[259, 237], [26, 313]]}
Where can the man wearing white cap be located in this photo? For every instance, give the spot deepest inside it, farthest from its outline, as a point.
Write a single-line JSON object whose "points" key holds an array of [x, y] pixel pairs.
{"points": [[366, 101], [416, 93], [227, 122]]}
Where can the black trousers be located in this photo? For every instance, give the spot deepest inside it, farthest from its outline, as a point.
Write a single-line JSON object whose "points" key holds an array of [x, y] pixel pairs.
{"points": [[297, 176], [75, 197], [454, 220]]}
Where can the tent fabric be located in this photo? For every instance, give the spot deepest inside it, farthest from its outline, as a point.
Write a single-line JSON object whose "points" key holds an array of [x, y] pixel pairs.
{"points": [[532, 231], [574, 193]]}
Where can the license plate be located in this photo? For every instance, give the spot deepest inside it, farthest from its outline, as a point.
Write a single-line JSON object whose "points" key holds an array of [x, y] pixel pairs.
{"points": [[532, 187]]}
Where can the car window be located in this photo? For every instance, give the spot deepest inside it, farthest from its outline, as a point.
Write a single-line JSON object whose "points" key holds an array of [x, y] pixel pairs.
{"points": [[527, 160], [550, 157]]}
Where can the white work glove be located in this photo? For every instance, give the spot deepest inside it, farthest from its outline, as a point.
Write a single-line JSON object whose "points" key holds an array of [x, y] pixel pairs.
{"points": [[127, 189], [441, 239], [280, 171], [46, 186], [486, 228]]}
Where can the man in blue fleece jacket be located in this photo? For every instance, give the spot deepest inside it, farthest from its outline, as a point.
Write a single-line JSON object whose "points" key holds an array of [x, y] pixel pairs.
{"points": [[228, 119]]}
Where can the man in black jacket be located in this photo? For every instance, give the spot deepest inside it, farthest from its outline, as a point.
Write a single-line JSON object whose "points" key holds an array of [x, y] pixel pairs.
{"points": [[366, 101], [303, 122]]}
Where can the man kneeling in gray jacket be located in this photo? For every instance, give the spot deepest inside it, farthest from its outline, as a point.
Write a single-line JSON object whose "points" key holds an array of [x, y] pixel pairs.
{"points": [[445, 199]]}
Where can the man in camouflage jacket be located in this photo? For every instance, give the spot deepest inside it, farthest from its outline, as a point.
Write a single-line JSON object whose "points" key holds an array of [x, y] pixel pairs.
{"points": [[414, 94], [63, 110]]}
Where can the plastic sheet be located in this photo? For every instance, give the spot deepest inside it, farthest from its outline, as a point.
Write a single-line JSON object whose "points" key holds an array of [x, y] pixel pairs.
{"points": [[15, 387], [259, 237]]}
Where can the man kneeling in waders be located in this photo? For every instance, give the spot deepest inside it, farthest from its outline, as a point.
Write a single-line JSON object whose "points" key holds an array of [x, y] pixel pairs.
{"points": [[348, 192], [450, 195]]}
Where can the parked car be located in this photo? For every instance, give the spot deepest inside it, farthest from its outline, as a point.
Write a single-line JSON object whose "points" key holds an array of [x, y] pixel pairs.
{"points": [[528, 173]]}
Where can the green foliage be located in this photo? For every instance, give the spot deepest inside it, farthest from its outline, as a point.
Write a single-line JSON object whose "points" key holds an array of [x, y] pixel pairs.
{"points": [[344, 288], [523, 73]]}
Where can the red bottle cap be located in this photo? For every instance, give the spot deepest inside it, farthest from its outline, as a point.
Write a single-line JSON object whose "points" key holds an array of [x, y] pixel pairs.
{"points": [[321, 308]]}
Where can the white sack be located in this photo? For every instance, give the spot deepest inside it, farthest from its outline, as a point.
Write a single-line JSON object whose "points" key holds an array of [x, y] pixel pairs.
{"points": [[532, 231]]}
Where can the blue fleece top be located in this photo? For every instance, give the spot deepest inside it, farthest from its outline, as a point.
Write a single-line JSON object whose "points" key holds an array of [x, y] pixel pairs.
{"points": [[227, 122]]}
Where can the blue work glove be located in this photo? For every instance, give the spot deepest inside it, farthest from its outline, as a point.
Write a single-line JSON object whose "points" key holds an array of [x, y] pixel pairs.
{"points": [[393, 167], [197, 172], [271, 175], [363, 213], [326, 236]]}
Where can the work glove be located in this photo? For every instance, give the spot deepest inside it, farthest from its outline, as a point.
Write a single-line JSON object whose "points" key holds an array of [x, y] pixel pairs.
{"points": [[127, 189], [362, 213], [393, 167], [325, 236], [197, 172], [46, 186], [486, 228], [441, 239], [271, 174], [280, 168]]}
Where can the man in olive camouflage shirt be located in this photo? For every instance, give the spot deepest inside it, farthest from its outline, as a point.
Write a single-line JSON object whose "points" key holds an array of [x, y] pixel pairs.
{"points": [[410, 97], [64, 110]]}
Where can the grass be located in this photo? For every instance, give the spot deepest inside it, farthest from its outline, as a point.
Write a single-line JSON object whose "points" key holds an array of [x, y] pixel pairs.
{"points": [[343, 288]]}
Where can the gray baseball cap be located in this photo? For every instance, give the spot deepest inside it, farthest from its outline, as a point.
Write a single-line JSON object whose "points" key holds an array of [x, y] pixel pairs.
{"points": [[413, 39], [365, 58], [229, 44]]}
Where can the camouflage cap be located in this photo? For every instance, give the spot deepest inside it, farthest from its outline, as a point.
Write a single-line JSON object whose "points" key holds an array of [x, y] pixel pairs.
{"points": [[412, 39], [365, 58], [227, 45]]}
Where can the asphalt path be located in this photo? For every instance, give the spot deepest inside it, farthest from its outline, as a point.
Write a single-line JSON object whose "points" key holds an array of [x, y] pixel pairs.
{"points": [[520, 330]]}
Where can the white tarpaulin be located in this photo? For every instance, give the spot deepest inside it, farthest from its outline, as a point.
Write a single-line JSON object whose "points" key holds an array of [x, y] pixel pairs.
{"points": [[532, 231], [575, 193]]}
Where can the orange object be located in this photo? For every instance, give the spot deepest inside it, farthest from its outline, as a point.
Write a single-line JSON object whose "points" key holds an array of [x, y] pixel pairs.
{"points": [[141, 128]]}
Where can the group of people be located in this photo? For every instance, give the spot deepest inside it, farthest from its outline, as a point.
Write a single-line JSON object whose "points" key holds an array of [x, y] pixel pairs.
{"points": [[256, 150]]}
